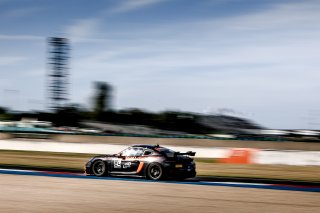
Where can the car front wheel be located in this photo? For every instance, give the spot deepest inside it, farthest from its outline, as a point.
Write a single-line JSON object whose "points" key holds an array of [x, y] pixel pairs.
{"points": [[99, 168]]}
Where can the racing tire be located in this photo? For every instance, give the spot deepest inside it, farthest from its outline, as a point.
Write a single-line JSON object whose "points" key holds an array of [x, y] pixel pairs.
{"points": [[99, 168], [155, 172]]}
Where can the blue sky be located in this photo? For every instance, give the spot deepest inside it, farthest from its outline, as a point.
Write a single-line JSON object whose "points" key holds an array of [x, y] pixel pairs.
{"points": [[258, 58]]}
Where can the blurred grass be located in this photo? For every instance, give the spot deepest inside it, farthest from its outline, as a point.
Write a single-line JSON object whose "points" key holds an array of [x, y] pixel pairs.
{"points": [[275, 172], [206, 167], [45, 160]]}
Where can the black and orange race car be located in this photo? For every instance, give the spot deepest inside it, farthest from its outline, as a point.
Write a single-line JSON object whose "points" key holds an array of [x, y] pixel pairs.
{"points": [[149, 161]]}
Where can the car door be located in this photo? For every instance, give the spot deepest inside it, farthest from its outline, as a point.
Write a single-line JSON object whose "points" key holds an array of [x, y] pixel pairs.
{"points": [[127, 162], [138, 160], [131, 162]]}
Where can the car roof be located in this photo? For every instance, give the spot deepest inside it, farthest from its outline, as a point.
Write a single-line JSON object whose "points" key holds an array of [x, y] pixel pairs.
{"points": [[149, 146]]}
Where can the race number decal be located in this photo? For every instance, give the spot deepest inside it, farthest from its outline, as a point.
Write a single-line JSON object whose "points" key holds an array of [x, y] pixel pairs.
{"points": [[117, 164]]}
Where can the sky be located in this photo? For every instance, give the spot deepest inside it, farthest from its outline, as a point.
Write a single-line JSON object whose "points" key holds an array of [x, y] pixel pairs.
{"points": [[249, 58]]}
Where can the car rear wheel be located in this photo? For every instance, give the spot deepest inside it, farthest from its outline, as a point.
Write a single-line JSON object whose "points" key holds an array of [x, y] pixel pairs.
{"points": [[155, 172], [99, 168]]}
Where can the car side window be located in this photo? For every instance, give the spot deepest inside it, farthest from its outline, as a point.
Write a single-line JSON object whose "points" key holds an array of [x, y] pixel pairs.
{"points": [[148, 152], [132, 152], [138, 152]]}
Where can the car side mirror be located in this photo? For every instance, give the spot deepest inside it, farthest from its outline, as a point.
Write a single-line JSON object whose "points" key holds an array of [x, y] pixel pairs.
{"points": [[121, 156]]}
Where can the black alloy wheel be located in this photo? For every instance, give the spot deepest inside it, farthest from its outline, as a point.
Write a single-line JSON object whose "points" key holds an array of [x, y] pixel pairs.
{"points": [[155, 171], [99, 168]]}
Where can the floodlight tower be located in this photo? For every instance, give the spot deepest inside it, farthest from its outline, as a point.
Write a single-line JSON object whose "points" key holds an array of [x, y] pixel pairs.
{"points": [[58, 57]]}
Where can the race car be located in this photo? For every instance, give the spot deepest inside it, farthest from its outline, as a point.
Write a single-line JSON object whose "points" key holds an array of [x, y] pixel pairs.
{"points": [[149, 161]]}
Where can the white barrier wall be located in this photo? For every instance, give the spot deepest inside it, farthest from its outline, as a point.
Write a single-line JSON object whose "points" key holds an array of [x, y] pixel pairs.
{"points": [[298, 158], [260, 156]]}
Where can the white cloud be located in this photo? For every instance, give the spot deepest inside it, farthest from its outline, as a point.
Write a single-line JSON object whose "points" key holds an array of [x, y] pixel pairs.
{"points": [[82, 29], [87, 30], [131, 5], [281, 17], [10, 60], [21, 37]]}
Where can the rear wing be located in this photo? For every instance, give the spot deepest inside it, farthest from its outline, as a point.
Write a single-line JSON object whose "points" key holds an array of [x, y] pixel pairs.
{"points": [[189, 153], [175, 154]]}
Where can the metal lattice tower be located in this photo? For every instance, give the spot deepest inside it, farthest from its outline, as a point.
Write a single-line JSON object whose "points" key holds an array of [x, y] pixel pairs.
{"points": [[58, 57]]}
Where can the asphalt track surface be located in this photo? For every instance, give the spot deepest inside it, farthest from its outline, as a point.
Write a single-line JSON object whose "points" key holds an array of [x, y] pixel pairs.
{"points": [[30, 191]]}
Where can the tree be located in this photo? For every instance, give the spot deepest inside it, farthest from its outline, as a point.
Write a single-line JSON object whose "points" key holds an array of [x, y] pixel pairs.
{"points": [[102, 98], [3, 110], [67, 116]]}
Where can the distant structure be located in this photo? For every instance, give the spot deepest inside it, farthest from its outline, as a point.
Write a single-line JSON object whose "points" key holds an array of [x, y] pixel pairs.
{"points": [[102, 97], [58, 74]]}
